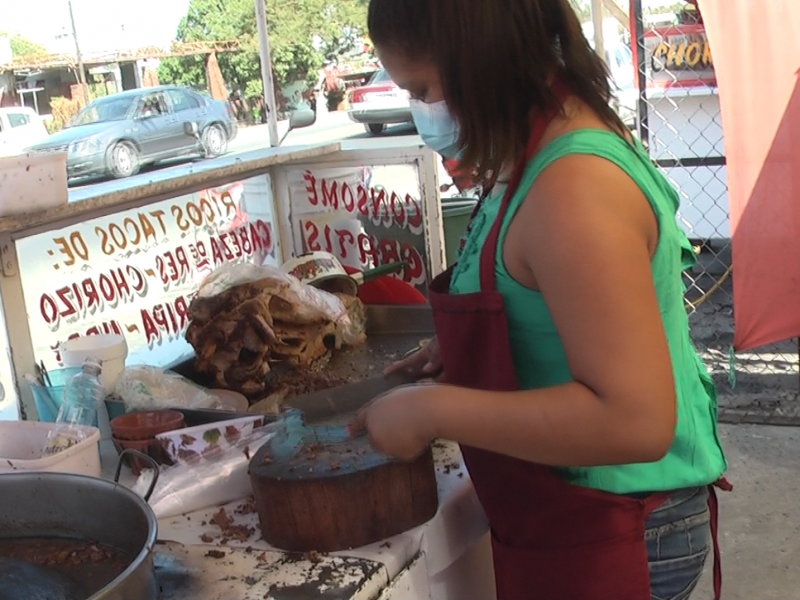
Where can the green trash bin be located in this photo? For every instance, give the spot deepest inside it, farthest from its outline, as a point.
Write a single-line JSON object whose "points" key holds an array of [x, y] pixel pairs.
{"points": [[456, 213]]}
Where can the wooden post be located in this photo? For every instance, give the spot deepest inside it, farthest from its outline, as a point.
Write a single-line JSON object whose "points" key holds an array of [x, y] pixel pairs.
{"points": [[81, 73], [266, 72], [618, 13], [597, 22]]}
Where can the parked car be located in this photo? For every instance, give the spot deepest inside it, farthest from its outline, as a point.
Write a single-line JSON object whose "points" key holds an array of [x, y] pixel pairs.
{"points": [[379, 103], [116, 135], [20, 127]]}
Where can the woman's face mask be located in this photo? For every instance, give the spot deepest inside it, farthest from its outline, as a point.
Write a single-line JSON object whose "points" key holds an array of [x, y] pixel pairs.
{"points": [[436, 126]]}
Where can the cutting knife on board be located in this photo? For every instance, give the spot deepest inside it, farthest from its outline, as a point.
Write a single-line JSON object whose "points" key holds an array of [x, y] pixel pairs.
{"points": [[345, 399]]}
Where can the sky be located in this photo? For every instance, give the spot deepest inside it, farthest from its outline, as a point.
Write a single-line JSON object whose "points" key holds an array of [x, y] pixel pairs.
{"points": [[101, 24], [109, 24]]}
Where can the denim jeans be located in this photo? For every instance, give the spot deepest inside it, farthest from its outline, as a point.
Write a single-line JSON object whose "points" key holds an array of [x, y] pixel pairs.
{"points": [[678, 538]]}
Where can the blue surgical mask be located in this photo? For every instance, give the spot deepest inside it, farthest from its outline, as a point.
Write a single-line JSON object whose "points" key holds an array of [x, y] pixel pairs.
{"points": [[437, 127]]}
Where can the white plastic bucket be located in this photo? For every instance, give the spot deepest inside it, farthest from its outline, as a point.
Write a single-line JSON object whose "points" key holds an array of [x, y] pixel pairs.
{"points": [[22, 445]]}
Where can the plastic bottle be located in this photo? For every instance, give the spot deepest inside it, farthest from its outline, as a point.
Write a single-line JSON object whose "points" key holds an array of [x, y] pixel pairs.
{"points": [[83, 393]]}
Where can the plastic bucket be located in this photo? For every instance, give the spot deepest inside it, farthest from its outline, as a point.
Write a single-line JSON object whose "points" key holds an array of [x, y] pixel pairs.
{"points": [[48, 398], [455, 218]]}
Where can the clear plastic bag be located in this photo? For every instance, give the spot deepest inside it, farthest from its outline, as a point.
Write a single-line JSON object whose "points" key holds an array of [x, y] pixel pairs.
{"points": [[143, 387], [205, 481], [309, 302]]}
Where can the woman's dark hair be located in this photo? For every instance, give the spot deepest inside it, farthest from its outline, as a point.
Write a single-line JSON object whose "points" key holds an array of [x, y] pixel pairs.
{"points": [[496, 58]]}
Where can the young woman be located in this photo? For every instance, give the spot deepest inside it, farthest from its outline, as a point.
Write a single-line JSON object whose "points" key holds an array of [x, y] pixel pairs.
{"points": [[586, 418]]}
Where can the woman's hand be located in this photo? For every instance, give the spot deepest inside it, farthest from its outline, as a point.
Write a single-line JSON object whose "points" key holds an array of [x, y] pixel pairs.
{"points": [[400, 423], [425, 362]]}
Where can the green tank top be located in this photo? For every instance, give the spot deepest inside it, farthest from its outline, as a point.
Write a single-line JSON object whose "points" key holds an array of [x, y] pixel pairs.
{"points": [[695, 456]]}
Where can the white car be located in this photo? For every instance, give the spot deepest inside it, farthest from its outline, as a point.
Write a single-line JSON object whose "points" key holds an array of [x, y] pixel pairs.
{"points": [[379, 103], [20, 128]]}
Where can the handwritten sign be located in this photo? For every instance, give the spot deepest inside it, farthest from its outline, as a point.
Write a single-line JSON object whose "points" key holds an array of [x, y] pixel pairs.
{"points": [[366, 217], [679, 55], [136, 272]]}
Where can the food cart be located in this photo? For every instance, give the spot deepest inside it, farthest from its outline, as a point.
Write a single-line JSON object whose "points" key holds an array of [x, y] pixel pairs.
{"points": [[683, 126], [130, 260]]}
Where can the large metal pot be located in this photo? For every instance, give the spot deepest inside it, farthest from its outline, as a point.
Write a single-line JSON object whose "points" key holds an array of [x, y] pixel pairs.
{"points": [[81, 507]]}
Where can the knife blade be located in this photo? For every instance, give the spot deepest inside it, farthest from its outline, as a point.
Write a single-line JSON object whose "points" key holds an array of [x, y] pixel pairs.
{"points": [[344, 399]]}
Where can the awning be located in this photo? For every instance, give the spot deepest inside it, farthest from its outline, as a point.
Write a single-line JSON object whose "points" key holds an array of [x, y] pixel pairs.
{"points": [[756, 50]]}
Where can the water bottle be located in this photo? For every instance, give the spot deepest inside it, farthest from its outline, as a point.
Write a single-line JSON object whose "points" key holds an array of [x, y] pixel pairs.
{"points": [[83, 393]]}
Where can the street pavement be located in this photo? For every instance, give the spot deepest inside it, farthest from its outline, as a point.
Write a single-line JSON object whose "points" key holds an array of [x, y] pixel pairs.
{"points": [[330, 127], [759, 522]]}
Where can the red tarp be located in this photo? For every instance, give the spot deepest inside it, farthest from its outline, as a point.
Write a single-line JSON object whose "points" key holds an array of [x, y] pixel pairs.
{"points": [[756, 50]]}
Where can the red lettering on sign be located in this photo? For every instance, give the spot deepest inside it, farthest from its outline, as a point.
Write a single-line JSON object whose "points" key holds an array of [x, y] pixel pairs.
{"points": [[92, 295], [226, 251], [414, 215], [330, 194], [311, 188], [369, 249], [346, 238], [64, 295], [311, 236], [165, 321], [348, 198], [361, 203], [383, 207], [390, 251], [247, 247]]}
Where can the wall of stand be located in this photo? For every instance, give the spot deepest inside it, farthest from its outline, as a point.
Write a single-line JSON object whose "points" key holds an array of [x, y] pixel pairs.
{"points": [[130, 260]]}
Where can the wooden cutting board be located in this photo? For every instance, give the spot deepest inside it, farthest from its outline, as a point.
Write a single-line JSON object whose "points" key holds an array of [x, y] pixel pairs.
{"points": [[333, 496]]}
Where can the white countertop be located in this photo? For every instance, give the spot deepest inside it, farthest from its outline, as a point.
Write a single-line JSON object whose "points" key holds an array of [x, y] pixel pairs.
{"points": [[253, 569]]}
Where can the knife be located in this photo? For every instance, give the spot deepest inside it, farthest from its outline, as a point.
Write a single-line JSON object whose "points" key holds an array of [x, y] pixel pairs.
{"points": [[345, 399]]}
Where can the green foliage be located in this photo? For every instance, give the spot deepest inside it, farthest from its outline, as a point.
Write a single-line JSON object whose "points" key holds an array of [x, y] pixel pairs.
{"points": [[293, 26], [583, 9], [22, 46]]}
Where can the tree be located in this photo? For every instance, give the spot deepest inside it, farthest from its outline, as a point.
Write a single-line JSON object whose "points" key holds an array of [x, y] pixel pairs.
{"points": [[583, 9], [293, 25], [22, 46]]}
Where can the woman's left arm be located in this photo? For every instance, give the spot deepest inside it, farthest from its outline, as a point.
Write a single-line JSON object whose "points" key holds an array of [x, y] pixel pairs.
{"points": [[588, 242]]}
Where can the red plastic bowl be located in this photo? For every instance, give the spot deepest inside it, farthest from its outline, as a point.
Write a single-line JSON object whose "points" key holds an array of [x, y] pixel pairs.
{"points": [[146, 425]]}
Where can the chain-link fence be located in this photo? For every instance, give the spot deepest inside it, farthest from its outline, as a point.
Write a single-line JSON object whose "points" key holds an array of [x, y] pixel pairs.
{"points": [[678, 117]]}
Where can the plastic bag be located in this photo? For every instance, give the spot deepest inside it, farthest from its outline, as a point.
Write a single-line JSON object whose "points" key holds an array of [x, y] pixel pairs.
{"points": [[143, 387], [309, 303], [205, 481], [307, 300]]}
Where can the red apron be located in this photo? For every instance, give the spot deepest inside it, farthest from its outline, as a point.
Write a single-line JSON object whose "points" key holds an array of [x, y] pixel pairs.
{"points": [[552, 540]]}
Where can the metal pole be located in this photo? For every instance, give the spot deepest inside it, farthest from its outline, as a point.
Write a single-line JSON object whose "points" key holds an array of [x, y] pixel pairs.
{"points": [[597, 23], [641, 68], [266, 72], [81, 74]]}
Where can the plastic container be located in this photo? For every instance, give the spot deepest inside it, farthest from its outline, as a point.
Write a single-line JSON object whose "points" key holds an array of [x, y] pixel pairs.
{"points": [[200, 439], [31, 183], [456, 214], [48, 398], [110, 348], [321, 268], [83, 396], [145, 425], [22, 445]]}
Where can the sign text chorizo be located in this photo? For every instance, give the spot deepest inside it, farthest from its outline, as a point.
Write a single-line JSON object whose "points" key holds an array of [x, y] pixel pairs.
{"points": [[679, 55]]}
